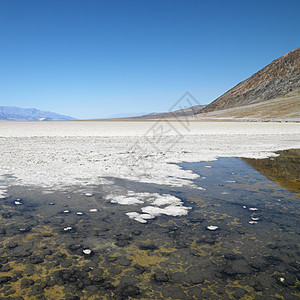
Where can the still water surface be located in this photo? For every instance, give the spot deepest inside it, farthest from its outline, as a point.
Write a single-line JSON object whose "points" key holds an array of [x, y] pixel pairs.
{"points": [[49, 251]]}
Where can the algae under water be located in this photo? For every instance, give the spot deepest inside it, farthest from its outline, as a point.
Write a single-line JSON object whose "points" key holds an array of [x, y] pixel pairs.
{"points": [[253, 254]]}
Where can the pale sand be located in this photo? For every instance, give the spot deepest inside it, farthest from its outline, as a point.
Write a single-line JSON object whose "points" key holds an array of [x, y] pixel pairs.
{"points": [[59, 154]]}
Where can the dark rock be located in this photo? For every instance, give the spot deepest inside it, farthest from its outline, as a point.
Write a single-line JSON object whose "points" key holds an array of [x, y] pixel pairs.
{"points": [[272, 260], [263, 282], [6, 268], [4, 279], [71, 297], [139, 269], [3, 260], [75, 247], [123, 237], [26, 283], [36, 290], [136, 232], [236, 267], [48, 252], [12, 244], [148, 247], [7, 215], [160, 276], [96, 272], [194, 275], [128, 291], [123, 261], [36, 259]]}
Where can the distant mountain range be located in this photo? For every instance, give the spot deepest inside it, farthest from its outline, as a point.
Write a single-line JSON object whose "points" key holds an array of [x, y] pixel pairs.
{"points": [[12, 113], [180, 113]]}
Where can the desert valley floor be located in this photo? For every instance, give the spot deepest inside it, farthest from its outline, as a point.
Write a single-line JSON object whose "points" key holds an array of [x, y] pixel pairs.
{"points": [[147, 210]]}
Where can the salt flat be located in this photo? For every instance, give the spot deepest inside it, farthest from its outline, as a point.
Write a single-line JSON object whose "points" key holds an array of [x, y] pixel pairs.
{"points": [[56, 155]]}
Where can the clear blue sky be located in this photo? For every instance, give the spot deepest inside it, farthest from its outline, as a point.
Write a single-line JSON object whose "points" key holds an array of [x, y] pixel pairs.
{"points": [[94, 58]]}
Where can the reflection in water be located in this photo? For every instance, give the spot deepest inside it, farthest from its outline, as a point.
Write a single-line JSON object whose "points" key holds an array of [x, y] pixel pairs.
{"points": [[253, 254], [283, 169]]}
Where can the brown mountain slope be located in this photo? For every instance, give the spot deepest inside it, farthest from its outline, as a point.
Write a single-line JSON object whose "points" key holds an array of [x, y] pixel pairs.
{"points": [[281, 108], [277, 79]]}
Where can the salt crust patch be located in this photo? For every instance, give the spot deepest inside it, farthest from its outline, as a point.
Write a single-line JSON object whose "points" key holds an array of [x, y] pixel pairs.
{"points": [[3, 194], [57, 155], [164, 204]]}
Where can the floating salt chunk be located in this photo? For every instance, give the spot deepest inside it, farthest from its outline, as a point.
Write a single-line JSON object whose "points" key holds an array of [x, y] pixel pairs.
{"points": [[254, 219], [244, 206], [212, 227], [281, 279], [68, 228], [93, 210], [87, 251], [137, 217], [66, 211], [18, 202], [207, 166], [147, 216], [89, 194], [252, 222], [253, 208], [79, 213]]}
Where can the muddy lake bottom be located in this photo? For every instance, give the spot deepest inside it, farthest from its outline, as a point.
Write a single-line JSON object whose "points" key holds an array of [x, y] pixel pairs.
{"points": [[49, 251]]}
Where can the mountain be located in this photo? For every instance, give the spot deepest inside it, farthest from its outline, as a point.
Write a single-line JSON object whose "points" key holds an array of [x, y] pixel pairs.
{"points": [[12, 113], [285, 108], [126, 115], [278, 79], [177, 114]]}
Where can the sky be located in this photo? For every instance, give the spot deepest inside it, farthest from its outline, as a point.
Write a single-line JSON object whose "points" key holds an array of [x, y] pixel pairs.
{"points": [[97, 58]]}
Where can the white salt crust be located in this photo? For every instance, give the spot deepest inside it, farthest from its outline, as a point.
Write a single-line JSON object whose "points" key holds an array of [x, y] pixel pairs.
{"points": [[60, 154]]}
